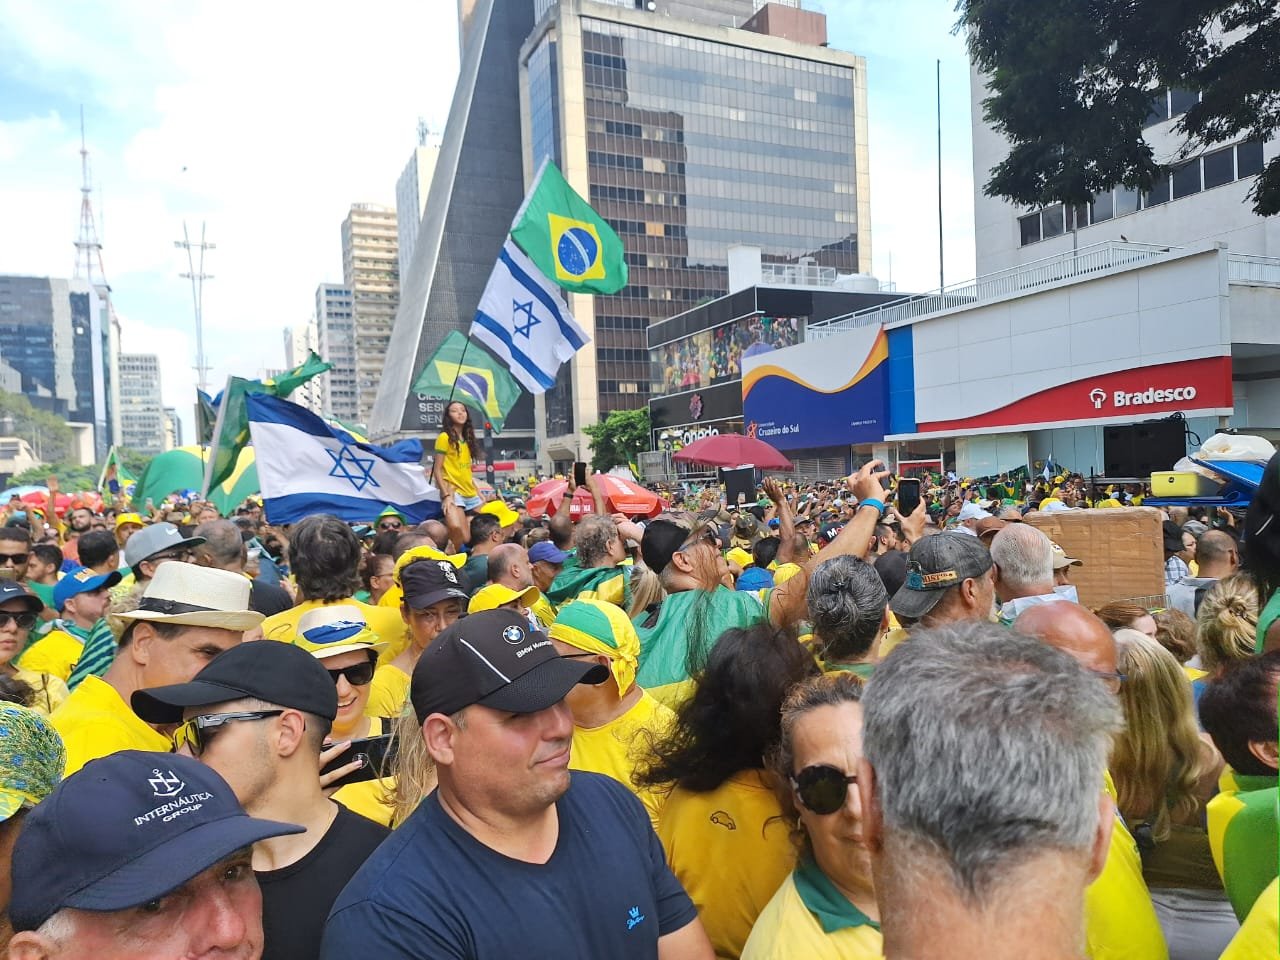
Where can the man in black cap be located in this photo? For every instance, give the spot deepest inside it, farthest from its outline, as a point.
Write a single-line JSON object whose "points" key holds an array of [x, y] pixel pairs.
{"points": [[435, 596], [138, 855], [949, 578], [1175, 568], [512, 856], [258, 714]]}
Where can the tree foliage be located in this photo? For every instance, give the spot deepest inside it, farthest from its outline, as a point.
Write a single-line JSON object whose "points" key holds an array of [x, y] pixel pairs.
{"points": [[72, 478], [618, 438], [48, 434], [1071, 86]]}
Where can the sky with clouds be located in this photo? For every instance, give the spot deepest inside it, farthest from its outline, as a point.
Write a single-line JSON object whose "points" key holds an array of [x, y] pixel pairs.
{"points": [[266, 124]]}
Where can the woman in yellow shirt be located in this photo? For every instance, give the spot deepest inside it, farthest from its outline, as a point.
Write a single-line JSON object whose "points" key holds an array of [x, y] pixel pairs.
{"points": [[18, 612], [456, 445], [826, 909], [721, 825]]}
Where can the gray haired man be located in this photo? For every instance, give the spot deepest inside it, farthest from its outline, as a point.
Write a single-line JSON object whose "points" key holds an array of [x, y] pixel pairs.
{"points": [[982, 795]]}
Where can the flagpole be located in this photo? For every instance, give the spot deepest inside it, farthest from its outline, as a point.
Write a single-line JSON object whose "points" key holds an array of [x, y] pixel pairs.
{"points": [[213, 447], [456, 374]]}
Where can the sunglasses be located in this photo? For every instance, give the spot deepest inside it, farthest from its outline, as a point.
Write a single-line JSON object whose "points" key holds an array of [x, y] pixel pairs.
{"points": [[183, 555], [196, 732], [391, 525], [822, 789], [25, 621], [357, 674], [15, 558], [706, 536]]}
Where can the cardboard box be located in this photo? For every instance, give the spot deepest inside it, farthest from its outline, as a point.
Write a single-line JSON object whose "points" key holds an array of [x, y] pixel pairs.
{"points": [[1122, 550]]}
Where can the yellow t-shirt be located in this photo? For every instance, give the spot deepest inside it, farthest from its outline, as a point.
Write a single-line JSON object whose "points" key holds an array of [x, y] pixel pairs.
{"points": [[616, 747], [55, 654], [788, 930], [369, 798], [456, 465], [1120, 922], [386, 622], [731, 850], [1260, 932], [50, 692], [95, 722], [544, 610], [388, 692]]}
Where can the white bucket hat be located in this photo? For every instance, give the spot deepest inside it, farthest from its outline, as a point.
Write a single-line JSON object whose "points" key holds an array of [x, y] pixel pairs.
{"points": [[188, 595]]}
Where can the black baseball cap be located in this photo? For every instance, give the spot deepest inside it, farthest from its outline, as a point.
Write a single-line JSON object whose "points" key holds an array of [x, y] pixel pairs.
{"points": [[429, 581], [13, 590], [1172, 536], [269, 670], [661, 540], [124, 830], [492, 658], [935, 565]]}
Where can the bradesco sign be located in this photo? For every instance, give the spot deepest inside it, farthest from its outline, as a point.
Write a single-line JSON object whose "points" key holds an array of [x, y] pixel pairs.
{"points": [[1190, 385], [1144, 399]]}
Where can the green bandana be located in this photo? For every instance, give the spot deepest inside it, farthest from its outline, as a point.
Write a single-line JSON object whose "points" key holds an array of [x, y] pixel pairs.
{"points": [[99, 650]]}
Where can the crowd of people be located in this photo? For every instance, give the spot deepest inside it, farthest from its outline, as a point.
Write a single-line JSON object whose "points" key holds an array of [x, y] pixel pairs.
{"points": [[808, 726]]}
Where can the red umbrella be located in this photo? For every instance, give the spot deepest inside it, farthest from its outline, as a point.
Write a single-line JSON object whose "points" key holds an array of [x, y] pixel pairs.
{"points": [[733, 450], [621, 496]]}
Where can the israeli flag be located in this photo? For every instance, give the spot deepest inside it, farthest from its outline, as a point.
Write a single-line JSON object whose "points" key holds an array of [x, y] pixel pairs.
{"points": [[307, 467], [525, 322]]}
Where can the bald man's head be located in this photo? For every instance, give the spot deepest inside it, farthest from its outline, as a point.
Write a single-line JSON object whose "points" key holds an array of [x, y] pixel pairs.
{"points": [[1074, 630], [437, 531]]}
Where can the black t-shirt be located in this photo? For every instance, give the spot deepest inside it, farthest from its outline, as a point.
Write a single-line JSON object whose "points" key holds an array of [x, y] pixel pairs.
{"points": [[434, 891], [268, 598], [296, 899]]}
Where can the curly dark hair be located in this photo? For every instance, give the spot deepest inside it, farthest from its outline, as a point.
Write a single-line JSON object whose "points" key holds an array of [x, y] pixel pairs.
{"points": [[733, 720], [468, 433]]}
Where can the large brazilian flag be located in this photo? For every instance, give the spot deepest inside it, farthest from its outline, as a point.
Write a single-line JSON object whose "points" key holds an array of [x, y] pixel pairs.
{"points": [[570, 243], [465, 371], [184, 468]]}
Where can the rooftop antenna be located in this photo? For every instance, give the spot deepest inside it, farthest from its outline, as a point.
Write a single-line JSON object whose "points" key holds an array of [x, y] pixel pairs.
{"points": [[88, 248]]}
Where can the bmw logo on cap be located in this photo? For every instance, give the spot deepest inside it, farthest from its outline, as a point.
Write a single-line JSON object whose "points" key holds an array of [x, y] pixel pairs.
{"points": [[513, 635]]}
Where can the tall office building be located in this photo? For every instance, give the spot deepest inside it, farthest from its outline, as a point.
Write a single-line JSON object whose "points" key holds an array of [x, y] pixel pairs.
{"points": [[172, 429], [56, 335], [477, 185], [142, 415], [689, 136], [691, 125], [299, 343], [336, 334], [371, 270], [411, 198]]}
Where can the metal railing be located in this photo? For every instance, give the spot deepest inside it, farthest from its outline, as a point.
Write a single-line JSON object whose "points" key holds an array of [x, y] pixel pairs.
{"points": [[1245, 268], [1025, 277], [797, 274]]}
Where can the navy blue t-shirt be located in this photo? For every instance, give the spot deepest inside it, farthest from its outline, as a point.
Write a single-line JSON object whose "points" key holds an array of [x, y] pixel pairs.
{"points": [[431, 890]]}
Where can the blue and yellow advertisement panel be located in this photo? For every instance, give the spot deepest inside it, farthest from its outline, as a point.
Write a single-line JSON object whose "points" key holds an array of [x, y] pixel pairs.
{"points": [[822, 393]]}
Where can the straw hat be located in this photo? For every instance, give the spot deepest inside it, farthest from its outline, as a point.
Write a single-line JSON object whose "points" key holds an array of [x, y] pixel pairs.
{"points": [[188, 595]]}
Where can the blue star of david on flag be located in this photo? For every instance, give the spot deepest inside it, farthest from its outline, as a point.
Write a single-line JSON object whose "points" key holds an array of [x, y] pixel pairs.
{"points": [[356, 470], [518, 308]]}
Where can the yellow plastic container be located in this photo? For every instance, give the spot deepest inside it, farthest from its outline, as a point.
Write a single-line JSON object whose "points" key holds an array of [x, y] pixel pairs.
{"points": [[1175, 483]]}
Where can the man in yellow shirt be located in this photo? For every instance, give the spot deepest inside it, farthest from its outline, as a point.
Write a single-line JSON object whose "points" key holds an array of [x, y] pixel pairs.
{"points": [[185, 618], [81, 598], [324, 557], [509, 567], [613, 721]]}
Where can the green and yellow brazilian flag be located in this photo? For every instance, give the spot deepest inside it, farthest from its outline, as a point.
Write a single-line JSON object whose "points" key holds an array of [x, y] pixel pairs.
{"points": [[468, 373]]}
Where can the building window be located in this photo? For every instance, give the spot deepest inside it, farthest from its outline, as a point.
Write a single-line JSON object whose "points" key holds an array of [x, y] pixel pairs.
{"points": [[1029, 228], [1186, 179], [1219, 167], [1158, 194], [1248, 159], [1181, 100]]}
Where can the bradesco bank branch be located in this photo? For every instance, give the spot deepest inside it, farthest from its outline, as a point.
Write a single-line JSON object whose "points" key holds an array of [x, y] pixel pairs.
{"points": [[1082, 371]]}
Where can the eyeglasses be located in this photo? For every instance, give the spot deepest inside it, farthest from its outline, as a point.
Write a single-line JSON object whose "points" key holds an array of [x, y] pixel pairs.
{"points": [[183, 555], [17, 559], [357, 674], [1114, 681], [822, 789], [25, 621], [195, 733]]}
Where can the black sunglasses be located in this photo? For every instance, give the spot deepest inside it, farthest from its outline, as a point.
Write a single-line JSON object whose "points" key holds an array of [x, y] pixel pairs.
{"points": [[822, 789], [25, 621], [391, 525], [357, 674], [197, 731], [17, 558]]}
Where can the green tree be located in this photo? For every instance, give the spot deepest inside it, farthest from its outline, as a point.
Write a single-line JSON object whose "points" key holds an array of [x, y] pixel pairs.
{"points": [[618, 438], [132, 460], [48, 434], [1071, 87], [72, 478]]}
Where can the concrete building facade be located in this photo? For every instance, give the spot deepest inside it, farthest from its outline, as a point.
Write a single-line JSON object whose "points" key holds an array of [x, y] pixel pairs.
{"points": [[336, 335], [299, 343], [142, 413], [371, 270], [411, 200]]}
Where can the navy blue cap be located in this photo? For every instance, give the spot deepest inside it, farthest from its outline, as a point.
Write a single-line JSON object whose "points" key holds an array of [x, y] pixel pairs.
{"points": [[548, 551], [126, 829], [81, 580], [13, 590]]}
